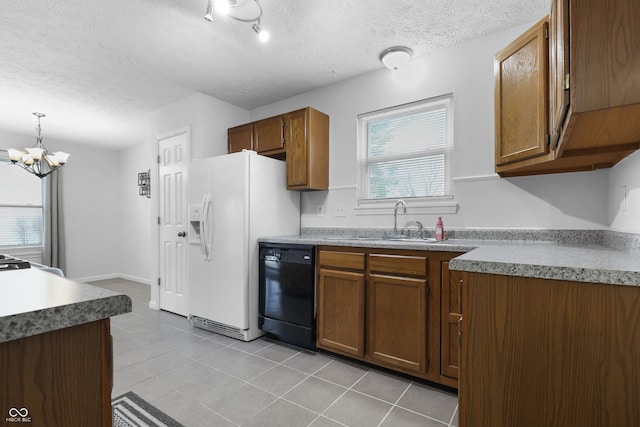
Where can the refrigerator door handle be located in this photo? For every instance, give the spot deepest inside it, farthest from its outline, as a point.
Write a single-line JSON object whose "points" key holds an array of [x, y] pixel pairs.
{"points": [[204, 226]]}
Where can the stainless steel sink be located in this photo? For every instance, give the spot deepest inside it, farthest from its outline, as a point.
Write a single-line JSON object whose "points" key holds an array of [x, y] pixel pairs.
{"points": [[398, 238], [351, 238]]}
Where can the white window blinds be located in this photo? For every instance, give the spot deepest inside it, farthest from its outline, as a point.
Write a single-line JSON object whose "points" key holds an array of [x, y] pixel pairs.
{"points": [[20, 207], [406, 151]]}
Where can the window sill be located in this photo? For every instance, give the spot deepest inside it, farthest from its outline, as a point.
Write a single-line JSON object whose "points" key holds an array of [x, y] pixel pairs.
{"points": [[386, 207]]}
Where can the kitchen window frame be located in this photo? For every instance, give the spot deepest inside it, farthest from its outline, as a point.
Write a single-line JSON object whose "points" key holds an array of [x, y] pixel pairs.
{"points": [[445, 204]]}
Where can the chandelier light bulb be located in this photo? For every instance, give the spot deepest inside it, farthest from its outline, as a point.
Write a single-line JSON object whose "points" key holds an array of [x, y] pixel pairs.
{"points": [[27, 159], [61, 156], [15, 155], [35, 152]]}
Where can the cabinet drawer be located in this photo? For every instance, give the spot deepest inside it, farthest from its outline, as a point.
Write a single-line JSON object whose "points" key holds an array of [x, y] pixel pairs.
{"points": [[398, 264], [343, 260]]}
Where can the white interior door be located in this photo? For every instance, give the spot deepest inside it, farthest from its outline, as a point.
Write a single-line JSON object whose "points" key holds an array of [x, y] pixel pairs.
{"points": [[174, 157]]}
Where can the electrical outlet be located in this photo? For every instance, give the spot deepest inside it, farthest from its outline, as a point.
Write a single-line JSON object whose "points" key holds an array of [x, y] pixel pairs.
{"points": [[320, 210], [340, 211], [623, 198]]}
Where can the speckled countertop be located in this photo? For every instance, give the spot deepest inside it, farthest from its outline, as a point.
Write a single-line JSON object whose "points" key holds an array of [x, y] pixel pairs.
{"points": [[579, 255], [34, 302]]}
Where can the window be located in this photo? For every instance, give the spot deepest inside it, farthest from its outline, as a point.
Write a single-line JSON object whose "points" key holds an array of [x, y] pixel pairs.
{"points": [[20, 207], [405, 152]]}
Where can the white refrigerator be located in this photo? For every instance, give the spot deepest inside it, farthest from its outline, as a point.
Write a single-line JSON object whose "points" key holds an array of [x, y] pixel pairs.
{"points": [[234, 199]]}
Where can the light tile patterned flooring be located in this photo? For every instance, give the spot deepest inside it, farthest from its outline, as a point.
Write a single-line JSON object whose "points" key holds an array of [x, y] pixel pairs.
{"points": [[205, 379]]}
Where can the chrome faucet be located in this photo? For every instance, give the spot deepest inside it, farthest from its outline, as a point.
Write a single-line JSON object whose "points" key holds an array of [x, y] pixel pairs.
{"points": [[395, 215], [420, 228]]}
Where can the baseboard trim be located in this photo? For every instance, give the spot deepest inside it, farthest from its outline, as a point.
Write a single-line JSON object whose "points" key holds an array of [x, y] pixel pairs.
{"points": [[136, 279]]}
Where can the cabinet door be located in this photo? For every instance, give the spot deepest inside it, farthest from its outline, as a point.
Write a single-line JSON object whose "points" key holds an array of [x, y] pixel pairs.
{"points": [[397, 319], [297, 149], [559, 67], [341, 311], [451, 310], [268, 134], [521, 97], [63, 377], [540, 352], [240, 138]]}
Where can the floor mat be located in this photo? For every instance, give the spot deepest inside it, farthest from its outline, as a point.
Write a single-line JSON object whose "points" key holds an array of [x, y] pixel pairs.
{"points": [[130, 410]]}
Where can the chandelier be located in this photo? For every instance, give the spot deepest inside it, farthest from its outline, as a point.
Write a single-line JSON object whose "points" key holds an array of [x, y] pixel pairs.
{"points": [[231, 9], [37, 159]]}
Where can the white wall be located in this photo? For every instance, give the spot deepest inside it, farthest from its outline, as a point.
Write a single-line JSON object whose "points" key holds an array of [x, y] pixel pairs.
{"points": [[576, 200], [91, 209], [625, 215], [91, 206], [135, 223], [208, 118]]}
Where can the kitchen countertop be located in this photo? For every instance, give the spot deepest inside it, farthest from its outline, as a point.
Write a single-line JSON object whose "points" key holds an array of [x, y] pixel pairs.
{"points": [[33, 302], [575, 261]]}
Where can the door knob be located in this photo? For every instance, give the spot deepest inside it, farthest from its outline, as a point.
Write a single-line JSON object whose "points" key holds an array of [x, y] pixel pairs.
{"points": [[182, 234]]}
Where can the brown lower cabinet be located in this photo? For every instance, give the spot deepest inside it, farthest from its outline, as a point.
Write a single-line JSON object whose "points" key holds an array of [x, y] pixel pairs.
{"points": [[340, 302], [539, 352], [61, 378], [383, 307], [451, 316]]}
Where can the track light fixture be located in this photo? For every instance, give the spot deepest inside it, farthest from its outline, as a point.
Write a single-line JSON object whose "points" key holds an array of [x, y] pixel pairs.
{"points": [[263, 35], [232, 9]]}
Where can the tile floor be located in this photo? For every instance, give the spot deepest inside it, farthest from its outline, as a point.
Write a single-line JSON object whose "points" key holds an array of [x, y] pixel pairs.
{"points": [[205, 379]]}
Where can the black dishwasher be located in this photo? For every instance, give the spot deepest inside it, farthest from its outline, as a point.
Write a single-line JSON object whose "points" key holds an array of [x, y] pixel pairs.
{"points": [[287, 293]]}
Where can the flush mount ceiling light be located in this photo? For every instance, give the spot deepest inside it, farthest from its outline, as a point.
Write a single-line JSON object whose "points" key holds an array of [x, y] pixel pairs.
{"points": [[37, 159], [237, 9], [396, 57]]}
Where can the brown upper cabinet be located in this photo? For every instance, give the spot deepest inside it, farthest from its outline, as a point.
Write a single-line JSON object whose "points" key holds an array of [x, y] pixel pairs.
{"points": [[591, 97], [521, 97], [268, 136], [240, 138], [300, 137]]}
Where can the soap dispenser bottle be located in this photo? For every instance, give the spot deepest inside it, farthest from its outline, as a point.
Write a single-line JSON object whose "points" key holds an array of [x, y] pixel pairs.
{"points": [[439, 229]]}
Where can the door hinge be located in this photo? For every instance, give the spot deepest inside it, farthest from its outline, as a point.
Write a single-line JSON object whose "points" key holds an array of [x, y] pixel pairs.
{"points": [[428, 290], [567, 81], [546, 33], [158, 220], [158, 158], [427, 364], [547, 138], [158, 282]]}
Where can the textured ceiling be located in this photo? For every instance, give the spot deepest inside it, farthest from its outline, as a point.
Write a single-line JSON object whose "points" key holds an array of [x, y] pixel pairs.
{"points": [[98, 68]]}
